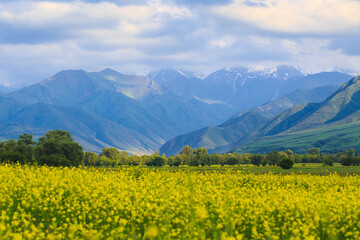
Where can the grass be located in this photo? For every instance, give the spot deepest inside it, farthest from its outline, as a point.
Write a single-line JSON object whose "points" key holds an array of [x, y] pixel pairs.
{"points": [[331, 139], [299, 168]]}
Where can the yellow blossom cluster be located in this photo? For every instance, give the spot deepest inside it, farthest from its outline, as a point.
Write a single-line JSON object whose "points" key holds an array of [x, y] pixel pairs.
{"points": [[138, 203]]}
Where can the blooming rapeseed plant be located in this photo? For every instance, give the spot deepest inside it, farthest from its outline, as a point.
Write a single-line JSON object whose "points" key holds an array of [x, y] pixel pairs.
{"points": [[137, 203]]}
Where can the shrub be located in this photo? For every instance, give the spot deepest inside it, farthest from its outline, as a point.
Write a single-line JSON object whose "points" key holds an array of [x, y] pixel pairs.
{"points": [[286, 163], [328, 162], [105, 161], [54, 160], [194, 162], [257, 159], [177, 163], [232, 161], [157, 161]]}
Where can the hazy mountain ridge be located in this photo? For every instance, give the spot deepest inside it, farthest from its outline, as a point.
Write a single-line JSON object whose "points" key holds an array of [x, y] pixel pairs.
{"points": [[136, 105], [331, 123], [340, 105], [94, 131], [136, 113], [5, 88], [240, 127], [239, 85]]}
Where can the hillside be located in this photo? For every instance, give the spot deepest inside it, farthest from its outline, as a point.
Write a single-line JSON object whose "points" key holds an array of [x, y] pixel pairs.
{"points": [[92, 131], [147, 114], [343, 106], [140, 113], [243, 125], [328, 139], [331, 125]]}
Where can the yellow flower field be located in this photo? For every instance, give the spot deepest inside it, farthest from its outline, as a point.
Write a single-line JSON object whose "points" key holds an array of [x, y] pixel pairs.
{"points": [[137, 203]]}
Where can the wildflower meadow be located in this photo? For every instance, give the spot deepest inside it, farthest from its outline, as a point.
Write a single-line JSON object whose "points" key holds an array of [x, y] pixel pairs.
{"points": [[141, 203]]}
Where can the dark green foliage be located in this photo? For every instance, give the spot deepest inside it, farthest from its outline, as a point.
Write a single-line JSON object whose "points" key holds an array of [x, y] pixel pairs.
{"points": [[21, 151], [105, 161], [200, 156], [26, 147], [328, 161], [356, 161], [232, 161], [314, 151], [57, 148], [194, 162], [349, 157], [8, 150], [286, 163], [273, 158], [257, 159], [187, 150], [90, 158], [61, 144], [157, 161], [54, 160], [115, 155]]}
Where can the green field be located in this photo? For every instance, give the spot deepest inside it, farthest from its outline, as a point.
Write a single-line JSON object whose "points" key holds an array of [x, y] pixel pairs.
{"points": [[330, 139], [299, 168]]}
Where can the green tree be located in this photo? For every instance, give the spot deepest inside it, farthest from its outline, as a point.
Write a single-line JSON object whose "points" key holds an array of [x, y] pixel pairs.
{"points": [[257, 159], [54, 160], [202, 156], [314, 151], [61, 144], [194, 162], [8, 152], [187, 150], [157, 161], [273, 158], [232, 159], [26, 147], [348, 157], [328, 161], [111, 153], [90, 158], [286, 163], [289, 152]]}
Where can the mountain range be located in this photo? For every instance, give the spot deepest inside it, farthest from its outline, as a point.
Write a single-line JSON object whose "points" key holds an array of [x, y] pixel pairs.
{"points": [[138, 114], [330, 124], [7, 89]]}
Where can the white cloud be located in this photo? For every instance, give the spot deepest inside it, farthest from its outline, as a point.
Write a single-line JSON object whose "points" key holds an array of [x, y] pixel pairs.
{"points": [[30, 13], [224, 42], [80, 13], [297, 16], [39, 38]]}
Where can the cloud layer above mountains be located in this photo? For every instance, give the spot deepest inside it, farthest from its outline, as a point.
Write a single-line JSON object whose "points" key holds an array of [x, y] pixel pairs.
{"points": [[39, 38]]}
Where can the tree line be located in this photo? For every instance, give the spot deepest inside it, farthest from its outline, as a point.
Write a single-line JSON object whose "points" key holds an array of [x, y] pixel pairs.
{"points": [[58, 148]]}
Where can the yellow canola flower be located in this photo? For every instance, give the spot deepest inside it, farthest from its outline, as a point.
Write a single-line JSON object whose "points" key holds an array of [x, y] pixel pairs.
{"points": [[90, 203], [201, 212], [151, 232]]}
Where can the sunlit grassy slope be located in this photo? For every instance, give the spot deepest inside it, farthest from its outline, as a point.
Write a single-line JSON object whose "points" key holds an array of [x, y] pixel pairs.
{"points": [[330, 139]]}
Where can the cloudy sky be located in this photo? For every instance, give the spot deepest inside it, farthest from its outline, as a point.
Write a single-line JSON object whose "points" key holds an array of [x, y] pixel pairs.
{"points": [[40, 38]]}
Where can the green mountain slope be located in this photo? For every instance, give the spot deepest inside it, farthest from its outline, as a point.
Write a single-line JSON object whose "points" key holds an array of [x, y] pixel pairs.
{"points": [[331, 125], [243, 125], [217, 139], [329, 139], [343, 106]]}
